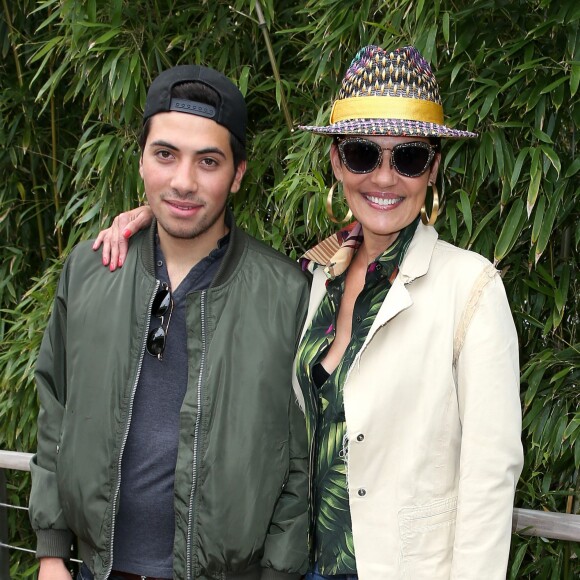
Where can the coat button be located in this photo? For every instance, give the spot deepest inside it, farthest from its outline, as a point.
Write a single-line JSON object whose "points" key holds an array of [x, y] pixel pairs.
{"points": [[360, 437], [362, 492]]}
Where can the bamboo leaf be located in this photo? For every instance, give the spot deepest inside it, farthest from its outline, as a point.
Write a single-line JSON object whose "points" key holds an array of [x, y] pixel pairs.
{"points": [[452, 218], [458, 66], [553, 85], [465, 207], [533, 385], [482, 225], [518, 166], [541, 135], [574, 78], [563, 373], [553, 157], [419, 8], [510, 231], [533, 192], [573, 169], [517, 562], [487, 103], [46, 48], [445, 26], [499, 148], [572, 427], [546, 228], [110, 34], [243, 80], [538, 219]]}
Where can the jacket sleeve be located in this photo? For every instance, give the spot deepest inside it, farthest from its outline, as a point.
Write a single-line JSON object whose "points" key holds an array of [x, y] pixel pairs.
{"points": [[53, 536], [491, 451], [286, 547]]}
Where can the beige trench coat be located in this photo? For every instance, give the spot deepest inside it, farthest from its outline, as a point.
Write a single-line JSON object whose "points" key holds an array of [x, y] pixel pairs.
{"points": [[434, 421]]}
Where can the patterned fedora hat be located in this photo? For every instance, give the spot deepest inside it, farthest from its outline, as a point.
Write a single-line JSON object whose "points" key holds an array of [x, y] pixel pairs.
{"points": [[389, 93]]}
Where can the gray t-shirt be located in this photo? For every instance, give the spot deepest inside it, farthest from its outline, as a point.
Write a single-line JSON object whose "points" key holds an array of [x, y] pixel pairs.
{"points": [[145, 523]]}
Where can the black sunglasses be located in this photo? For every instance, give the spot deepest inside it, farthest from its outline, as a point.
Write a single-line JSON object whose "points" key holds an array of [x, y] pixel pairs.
{"points": [[162, 303], [364, 156]]}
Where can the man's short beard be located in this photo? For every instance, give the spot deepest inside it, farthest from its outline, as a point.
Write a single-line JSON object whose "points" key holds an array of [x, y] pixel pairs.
{"points": [[204, 225]]}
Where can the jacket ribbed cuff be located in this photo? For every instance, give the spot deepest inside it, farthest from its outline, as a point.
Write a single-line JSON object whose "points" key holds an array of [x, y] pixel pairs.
{"points": [[53, 544], [271, 574]]}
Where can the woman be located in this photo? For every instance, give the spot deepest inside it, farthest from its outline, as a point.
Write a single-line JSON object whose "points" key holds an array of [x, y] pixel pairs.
{"points": [[408, 366]]}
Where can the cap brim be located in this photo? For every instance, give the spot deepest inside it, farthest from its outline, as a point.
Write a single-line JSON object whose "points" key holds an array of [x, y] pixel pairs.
{"points": [[389, 127]]}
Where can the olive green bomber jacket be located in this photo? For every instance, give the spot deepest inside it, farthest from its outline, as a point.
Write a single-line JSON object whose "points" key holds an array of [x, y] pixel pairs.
{"points": [[241, 474]]}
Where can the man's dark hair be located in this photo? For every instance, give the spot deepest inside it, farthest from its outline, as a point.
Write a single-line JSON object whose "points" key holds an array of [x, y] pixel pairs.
{"points": [[194, 91]]}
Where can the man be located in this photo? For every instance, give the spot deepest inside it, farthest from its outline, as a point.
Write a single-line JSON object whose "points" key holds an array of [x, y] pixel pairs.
{"points": [[170, 443]]}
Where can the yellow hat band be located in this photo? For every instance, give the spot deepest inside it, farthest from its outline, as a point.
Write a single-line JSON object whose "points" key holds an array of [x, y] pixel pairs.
{"points": [[374, 107]]}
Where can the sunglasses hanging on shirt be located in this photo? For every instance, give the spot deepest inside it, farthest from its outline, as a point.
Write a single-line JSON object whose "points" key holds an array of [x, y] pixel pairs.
{"points": [[364, 156], [162, 304]]}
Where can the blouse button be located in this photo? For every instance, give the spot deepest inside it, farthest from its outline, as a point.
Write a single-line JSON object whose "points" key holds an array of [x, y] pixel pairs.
{"points": [[379, 267], [360, 437], [362, 492], [358, 318]]}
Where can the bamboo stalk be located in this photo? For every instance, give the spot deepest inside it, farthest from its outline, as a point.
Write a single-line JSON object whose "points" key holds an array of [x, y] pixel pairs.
{"points": [[54, 164], [12, 44], [37, 209], [262, 25], [54, 170]]}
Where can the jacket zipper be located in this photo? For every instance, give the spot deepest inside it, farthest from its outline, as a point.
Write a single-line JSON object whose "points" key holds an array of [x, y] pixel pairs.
{"points": [[189, 563], [126, 434]]}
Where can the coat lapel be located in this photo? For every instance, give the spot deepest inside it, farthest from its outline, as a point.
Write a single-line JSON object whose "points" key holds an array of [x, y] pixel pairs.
{"points": [[415, 264]]}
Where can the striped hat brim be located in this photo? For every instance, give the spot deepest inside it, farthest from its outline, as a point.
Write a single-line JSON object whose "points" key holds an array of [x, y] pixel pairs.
{"points": [[389, 127]]}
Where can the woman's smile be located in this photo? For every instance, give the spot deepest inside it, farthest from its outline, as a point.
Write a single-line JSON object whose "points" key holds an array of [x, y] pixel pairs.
{"points": [[385, 202]]}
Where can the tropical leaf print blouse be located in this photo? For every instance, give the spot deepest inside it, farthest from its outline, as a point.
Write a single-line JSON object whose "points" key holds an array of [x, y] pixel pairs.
{"points": [[332, 527]]}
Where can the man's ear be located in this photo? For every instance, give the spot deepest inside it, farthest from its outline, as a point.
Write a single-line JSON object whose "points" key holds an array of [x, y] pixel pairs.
{"points": [[238, 176]]}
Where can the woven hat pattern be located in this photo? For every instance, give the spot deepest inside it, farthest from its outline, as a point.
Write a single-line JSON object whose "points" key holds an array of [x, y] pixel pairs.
{"points": [[401, 73]]}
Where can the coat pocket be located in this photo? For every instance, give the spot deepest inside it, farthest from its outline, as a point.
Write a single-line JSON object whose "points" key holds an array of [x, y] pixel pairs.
{"points": [[427, 535]]}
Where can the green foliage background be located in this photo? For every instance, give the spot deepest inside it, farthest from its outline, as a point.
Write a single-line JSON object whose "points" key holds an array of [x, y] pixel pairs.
{"points": [[73, 78]]}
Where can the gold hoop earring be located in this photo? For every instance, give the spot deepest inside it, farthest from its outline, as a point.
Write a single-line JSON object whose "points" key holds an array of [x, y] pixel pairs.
{"points": [[329, 211], [430, 221]]}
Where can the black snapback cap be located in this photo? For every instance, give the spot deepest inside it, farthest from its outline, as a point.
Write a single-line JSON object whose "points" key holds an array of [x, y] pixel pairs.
{"points": [[230, 112]]}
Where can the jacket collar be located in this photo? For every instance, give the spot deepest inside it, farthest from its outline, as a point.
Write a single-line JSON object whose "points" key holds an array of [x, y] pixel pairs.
{"points": [[418, 257], [414, 265], [236, 248]]}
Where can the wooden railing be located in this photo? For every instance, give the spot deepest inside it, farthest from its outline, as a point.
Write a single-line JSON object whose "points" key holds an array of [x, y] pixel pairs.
{"points": [[551, 525]]}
